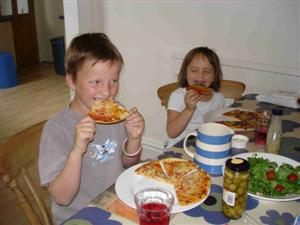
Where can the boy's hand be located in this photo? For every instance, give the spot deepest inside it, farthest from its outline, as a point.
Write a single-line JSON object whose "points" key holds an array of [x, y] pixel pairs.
{"points": [[84, 134], [134, 124]]}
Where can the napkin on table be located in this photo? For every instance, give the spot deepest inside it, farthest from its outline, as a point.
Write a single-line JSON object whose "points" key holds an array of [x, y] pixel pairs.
{"points": [[282, 98]]}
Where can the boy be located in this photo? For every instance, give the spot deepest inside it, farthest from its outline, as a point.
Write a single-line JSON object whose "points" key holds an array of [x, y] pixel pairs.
{"points": [[79, 159]]}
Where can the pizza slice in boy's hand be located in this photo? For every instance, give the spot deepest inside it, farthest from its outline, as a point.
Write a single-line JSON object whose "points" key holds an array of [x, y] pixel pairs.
{"points": [[200, 89], [107, 111]]}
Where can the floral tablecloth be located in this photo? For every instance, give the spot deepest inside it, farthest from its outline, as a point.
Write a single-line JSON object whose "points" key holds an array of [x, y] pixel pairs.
{"points": [[107, 209]]}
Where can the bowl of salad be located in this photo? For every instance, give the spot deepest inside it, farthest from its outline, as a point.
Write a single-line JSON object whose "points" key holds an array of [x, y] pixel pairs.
{"points": [[273, 177]]}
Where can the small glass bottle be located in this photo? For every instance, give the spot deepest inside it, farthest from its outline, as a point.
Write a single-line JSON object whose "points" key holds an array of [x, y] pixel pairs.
{"points": [[275, 132], [235, 187]]}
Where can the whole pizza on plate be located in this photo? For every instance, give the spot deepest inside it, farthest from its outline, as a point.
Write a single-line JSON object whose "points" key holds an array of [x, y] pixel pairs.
{"points": [[192, 184], [107, 111]]}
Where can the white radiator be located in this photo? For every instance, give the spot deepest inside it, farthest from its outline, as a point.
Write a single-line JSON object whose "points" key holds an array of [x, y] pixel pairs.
{"points": [[258, 78], [261, 78]]}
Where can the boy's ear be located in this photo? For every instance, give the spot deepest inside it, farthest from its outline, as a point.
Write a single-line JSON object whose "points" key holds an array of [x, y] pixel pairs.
{"points": [[69, 81]]}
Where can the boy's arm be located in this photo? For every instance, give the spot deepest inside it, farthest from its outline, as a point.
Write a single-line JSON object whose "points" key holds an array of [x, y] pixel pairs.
{"points": [[66, 185], [132, 151], [132, 147]]}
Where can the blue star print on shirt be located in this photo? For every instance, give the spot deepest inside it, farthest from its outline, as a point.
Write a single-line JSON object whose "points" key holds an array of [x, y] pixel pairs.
{"points": [[103, 152]]}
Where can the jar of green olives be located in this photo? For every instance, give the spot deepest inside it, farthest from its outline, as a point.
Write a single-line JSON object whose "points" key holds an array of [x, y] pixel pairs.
{"points": [[235, 187]]}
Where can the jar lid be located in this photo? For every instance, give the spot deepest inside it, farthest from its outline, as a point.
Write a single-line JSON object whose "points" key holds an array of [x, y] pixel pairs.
{"points": [[237, 164], [277, 112]]}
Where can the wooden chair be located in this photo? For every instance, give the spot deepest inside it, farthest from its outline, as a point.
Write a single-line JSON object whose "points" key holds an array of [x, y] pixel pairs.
{"points": [[229, 88], [165, 91], [232, 89], [19, 170]]}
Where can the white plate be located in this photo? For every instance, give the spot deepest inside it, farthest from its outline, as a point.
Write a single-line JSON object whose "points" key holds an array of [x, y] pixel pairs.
{"points": [[279, 159], [129, 183], [217, 115]]}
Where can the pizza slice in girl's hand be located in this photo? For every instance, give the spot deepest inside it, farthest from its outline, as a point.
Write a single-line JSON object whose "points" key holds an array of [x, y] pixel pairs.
{"points": [[107, 111], [200, 89]]}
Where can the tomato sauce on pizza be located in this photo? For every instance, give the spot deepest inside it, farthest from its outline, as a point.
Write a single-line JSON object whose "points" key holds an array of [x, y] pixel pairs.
{"points": [[107, 111]]}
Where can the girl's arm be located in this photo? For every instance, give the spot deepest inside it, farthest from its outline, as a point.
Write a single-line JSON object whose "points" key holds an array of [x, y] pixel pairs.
{"points": [[177, 121]]}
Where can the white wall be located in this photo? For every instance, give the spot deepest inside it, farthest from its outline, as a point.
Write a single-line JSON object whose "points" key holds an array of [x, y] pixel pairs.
{"points": [[149, 33], [71, 15], [48, 25]]}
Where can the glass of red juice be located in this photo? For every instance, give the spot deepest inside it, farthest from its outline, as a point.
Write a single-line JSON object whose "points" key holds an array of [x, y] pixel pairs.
{"points": [[262, 123], [154, 206]]}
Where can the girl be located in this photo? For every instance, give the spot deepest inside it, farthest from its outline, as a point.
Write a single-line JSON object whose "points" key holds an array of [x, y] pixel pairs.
{"points": [[186, 108]]}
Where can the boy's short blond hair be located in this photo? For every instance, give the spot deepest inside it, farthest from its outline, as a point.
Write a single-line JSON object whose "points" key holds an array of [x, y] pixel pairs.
{"points": [[90, 46]]}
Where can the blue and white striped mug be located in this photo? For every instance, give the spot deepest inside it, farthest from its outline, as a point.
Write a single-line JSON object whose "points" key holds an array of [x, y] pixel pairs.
{"points": [[212, 148]]}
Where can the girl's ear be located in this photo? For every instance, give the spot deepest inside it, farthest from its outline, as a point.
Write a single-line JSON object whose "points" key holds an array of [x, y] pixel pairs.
{"points": [[69, 81]]}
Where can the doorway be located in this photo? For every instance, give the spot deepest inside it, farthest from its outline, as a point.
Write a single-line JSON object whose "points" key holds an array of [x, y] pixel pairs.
{"points": [[34, 28], [24, 30]]}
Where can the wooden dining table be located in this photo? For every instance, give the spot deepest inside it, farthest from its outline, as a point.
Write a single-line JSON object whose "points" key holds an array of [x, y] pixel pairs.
{"points": [[107, 208]]}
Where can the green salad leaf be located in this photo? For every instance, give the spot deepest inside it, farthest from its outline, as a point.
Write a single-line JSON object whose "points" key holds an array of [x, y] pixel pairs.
{"points": [[270, 179]]}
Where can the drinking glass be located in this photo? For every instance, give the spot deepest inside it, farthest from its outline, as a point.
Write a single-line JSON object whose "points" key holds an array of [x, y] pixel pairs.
{"points": [[154, 206], [262, 123]]}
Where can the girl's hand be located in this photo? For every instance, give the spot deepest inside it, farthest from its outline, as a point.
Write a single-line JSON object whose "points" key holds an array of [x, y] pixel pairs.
{"points": [[134, 124], [191, 99], [206, 98], [84, 134]]}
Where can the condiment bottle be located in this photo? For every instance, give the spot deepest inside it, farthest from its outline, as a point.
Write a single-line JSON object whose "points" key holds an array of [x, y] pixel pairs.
{"points": [[235, 187], [275, 132]]}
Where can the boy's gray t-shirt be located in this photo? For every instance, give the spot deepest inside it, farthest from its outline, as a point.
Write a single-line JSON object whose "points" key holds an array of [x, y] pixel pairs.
{"points": [[101, 164]]}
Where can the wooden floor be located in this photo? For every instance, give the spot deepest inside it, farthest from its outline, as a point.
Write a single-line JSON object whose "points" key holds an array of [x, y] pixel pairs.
{"points": [[40, 94]]}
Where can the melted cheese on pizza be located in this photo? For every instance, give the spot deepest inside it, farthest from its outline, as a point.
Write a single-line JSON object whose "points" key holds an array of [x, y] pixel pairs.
{"points": [[191, 184], [107, 111]]}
